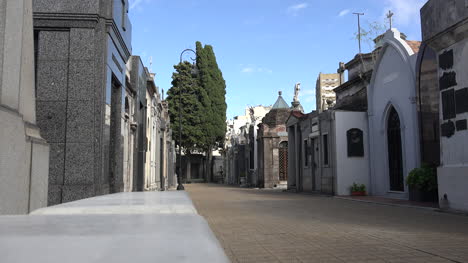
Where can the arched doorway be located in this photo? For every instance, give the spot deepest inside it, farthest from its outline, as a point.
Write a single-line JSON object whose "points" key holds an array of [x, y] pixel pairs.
{"points": [[395, 158], [283, 161]]}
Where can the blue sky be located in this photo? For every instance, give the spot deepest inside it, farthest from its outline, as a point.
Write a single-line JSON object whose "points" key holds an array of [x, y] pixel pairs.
{"points": [[262, 46]]}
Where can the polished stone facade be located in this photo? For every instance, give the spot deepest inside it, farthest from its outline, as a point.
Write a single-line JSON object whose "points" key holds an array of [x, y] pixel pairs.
{"points": [[81, 52]]}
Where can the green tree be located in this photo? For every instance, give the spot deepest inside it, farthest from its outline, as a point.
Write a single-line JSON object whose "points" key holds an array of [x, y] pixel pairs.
{"points": [[185, 88], [212, 81]]}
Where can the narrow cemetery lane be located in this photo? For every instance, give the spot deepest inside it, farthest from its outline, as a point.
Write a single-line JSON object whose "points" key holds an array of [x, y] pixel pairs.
{"points": [[273, 226]]}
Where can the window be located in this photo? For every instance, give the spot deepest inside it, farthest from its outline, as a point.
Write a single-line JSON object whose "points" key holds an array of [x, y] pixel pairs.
{"points": [[325, 149], [306, 153], [124, 14]]}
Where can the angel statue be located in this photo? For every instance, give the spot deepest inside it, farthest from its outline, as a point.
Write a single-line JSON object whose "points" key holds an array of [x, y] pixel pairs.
{"points": [[297, 88]]}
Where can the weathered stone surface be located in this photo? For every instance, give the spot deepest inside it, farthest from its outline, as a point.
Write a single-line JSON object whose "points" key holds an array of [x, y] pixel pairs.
{"points": [[80, 120], [79, 164], [2, 34], [55, 195], [51, 120], [437, 16], [53, 45], [81, 80], [67, 6], [81, 44], [57, 162], [51, 80], [77, 192]]}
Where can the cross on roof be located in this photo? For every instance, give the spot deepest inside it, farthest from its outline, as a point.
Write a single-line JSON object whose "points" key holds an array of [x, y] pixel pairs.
{"points": [[390, 16]]}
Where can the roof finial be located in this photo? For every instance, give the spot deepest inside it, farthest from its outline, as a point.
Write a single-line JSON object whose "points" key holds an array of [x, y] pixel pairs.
{"points": [[280, 93], [389, 17]]}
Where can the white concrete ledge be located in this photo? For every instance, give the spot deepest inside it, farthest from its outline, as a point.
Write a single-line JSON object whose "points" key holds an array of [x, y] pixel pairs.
{"points": [[169, 202], [125, 227]]}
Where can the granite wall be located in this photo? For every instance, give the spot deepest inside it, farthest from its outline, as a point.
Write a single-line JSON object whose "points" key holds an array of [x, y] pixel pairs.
{"points": [[81, 51]]}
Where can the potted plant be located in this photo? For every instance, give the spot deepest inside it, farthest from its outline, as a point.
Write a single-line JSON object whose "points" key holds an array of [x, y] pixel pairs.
{"points": [[422, 184], [358, 189]]}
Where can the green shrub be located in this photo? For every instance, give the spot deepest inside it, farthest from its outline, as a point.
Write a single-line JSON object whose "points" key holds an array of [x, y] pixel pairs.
{"points": [[423, 178], [358, 187]]}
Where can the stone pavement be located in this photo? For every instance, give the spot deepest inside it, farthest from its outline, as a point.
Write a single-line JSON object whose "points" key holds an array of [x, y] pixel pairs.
{"points": [[273, 226]]}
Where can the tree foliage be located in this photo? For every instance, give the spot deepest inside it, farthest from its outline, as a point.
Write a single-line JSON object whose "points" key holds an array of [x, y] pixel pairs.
{"points": [[212, 81], [186, 90], [203, 108], [369, 32]]}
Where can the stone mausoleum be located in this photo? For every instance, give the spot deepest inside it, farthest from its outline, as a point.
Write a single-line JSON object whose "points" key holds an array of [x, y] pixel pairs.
{"points": [[445, 31], [273, 146], [81, 50]]}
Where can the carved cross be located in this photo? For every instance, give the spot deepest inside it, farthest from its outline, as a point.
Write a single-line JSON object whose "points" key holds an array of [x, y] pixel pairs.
{"points": [[390, 16]]}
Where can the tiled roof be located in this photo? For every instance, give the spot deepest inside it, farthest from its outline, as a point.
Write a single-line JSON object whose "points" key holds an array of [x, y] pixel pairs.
{"points": [[414, 45], [280, 104]]}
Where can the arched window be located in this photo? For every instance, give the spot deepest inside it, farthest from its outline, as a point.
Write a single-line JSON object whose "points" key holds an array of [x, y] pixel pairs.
{"points": [[395, 153]]}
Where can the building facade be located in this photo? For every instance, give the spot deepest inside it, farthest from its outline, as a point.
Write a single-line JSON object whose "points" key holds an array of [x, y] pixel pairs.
{"points": [[81, 51], [444, 30], [326, 97], [393, 116], [273, 146], [24, 157]]}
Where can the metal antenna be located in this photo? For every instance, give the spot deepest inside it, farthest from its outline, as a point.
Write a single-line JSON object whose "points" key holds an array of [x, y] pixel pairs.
{"points": [[359, 29], [390, 16]]}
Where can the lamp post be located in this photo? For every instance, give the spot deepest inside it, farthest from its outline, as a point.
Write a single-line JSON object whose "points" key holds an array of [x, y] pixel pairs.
{"points": [[180, 187]]}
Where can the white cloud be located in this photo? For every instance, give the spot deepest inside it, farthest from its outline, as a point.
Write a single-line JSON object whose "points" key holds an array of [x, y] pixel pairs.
{"points": [[405, 12], [137, 4], [344, 12], [294, 9], [253, 69], [248, 70]]}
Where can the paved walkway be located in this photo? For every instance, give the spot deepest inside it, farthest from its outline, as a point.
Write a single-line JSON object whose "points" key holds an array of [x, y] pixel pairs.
{"points": [[273, 226]]}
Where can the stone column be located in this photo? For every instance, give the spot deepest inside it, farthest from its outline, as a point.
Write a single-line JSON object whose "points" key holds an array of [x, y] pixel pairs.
{"points": [[24, 155]]}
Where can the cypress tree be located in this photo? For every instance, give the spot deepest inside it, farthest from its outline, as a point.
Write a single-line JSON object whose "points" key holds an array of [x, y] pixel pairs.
{"points": [[211, 80]]}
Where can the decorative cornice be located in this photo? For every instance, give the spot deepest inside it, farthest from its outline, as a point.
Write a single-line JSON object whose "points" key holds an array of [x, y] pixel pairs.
{"points": [[66, 16], [94, 18]]}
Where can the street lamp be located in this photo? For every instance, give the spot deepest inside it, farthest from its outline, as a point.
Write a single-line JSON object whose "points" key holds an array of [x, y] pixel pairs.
{"points": [[180, 187]]}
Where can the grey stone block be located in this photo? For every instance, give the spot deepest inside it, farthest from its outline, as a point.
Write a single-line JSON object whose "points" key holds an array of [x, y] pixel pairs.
{"points": [[51, 120], [77, 192], [81, 80], [51, 80], [56, 163], [67, 6], [55, 195], [80, 121], [79, 163], [53, 45], [81, 44]]}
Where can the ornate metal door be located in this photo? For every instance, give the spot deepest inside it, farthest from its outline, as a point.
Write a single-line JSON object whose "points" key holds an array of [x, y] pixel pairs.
{"points": [[283, 161], [395, 158]]}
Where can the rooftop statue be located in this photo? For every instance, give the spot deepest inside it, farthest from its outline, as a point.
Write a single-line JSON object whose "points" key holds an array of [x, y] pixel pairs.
{"points": [[297, 88]]}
